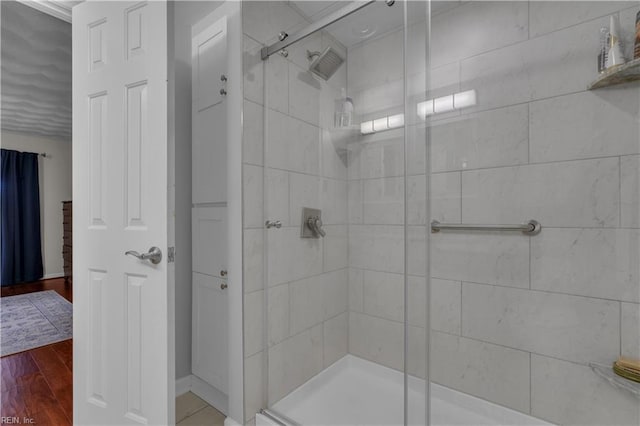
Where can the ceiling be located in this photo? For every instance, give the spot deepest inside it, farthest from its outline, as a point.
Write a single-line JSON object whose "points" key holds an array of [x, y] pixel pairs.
{"points": [[36, 72]]}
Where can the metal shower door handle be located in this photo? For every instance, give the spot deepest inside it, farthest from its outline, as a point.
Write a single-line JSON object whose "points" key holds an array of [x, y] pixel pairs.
{"points": [[154, 255]]}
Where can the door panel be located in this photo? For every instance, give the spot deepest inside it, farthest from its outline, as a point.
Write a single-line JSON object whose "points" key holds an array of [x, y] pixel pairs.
{"points": [[122, 315], [209, 226]]}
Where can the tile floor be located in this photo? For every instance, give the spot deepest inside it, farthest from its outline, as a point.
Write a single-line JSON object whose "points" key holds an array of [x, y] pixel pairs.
{"points": [[192, 411]]}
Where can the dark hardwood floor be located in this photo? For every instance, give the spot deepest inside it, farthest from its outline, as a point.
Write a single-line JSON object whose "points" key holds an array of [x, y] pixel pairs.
{"points": [[38, 384]]}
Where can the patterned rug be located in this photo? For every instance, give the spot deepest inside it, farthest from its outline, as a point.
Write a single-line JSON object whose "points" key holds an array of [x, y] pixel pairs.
{"points": [[32, 320]]}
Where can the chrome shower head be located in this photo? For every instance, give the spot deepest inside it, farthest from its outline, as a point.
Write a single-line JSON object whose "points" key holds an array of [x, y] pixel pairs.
{"points": [[325, 64]]}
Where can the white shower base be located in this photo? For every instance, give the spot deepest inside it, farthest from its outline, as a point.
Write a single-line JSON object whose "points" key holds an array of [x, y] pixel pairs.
{"points": [[354, 391]]}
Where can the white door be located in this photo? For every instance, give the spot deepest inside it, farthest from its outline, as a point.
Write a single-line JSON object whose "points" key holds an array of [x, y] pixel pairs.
{"points": [[123, 335]]}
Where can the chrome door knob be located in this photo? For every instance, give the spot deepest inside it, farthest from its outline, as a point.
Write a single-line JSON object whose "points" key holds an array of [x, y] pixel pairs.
{"points": [[154, 255]]}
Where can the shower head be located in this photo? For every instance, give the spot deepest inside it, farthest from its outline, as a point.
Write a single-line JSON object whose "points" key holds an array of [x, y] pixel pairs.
{"points": [[325, 64]]}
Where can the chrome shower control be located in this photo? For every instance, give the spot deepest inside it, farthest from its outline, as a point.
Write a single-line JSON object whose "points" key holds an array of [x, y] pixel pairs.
{"points": [[273, 224], [311, 223]]}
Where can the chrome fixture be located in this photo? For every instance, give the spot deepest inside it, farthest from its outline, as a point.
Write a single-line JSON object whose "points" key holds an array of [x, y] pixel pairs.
{"points": [[273, 224], [284, 52], [223, 273], [532, 227], [311, 223], [312, 28], [223, 92], [223, 286], [282, 35], [390, 2], [154, 255], [326, 63], [223, 77]]}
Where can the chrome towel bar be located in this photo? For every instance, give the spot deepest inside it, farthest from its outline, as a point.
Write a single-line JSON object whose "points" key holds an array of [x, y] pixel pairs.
{"points": [[532, 227]]}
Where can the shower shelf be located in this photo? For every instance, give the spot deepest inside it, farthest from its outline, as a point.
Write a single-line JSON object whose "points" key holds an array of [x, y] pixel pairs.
{"points": [[606, 372], [625, 73]]}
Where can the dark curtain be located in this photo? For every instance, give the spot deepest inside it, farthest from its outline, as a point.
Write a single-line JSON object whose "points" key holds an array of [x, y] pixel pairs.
{"points": [[21, 254]]}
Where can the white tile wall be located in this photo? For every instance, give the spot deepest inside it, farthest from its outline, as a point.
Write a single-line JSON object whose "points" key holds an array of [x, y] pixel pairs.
{"points": [[630, 324], [567, 393], [376, 339], [568, 327], [630, 191], [492, 372]]}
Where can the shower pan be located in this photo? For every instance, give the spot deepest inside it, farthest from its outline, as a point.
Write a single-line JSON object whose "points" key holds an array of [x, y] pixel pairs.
{"points": [[472, 213]]}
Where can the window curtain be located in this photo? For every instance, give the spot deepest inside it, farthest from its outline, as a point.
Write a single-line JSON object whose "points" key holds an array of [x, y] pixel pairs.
{"points": [[21, 243]]}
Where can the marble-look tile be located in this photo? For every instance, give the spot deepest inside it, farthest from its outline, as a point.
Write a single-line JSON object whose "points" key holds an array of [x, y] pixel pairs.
{"points": [[334, 156], [253, 133], [291, 257], [292, 144], [588, 262], [384, 295], [252, 260], [585, 193], [477, 27], [630, 330], [446, 201], [417, 350], [276, 82], [376, 247], [512, 75], [306, 303], [335, 246], [574, 328], [336, 338], [264, 20], [304, 94], [416, 200], [417, 301], [278, 314], [383, 201], [571, 394], [333, 201], [355, 202], [381, 155], [446, 305], [488, 139], [547, 16], [335, 289], [252, 178], [444, 80], [586, 125], [253, 71], [376, 339], [304, 191], [491, 372], [416, 149], [356, 290], [293, 362], [375, 62], [417, 250], [254, 398], [277, 189], [253, 322], [490, 258], [380, 100], [630, 191]]}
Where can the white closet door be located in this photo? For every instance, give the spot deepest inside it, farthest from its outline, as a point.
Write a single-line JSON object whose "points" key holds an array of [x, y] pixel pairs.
{"points": [[209, 68], [209, 236], [209, 361]]}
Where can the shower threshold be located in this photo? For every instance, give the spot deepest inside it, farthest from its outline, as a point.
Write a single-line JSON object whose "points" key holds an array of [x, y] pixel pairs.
{"points": [[354, 391]]}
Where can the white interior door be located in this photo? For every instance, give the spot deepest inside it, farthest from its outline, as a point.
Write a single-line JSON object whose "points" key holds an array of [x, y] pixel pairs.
{"points": [[123, 353]]}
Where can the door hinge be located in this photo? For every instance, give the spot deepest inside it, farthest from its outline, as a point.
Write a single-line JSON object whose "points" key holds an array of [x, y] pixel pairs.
{"points": [[171, 255]]}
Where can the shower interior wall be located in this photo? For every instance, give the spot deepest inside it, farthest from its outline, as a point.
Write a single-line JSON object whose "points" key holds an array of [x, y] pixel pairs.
{"points": [[513, 320]]}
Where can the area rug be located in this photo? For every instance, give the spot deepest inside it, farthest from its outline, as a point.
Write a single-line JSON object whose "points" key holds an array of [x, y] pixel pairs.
{"points": [[32, 320]]}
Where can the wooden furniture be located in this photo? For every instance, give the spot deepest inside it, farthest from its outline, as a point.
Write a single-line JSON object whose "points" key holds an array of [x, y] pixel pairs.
{"points": [[67, 238]]}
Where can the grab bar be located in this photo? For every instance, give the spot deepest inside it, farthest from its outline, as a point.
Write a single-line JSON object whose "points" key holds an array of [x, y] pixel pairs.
{"points": [[532, 227]]}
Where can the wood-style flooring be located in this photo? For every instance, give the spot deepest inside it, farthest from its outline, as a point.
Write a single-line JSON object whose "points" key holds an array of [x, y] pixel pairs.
{"points": [[38, 384]]}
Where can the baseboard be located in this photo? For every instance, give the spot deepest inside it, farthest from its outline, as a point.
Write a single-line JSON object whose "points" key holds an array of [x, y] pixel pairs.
{"points": [[52, 276], [230, 422], [183, 385], [214, 397]]}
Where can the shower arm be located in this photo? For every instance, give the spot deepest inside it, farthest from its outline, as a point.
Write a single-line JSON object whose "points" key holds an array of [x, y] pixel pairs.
{"points": [[312, 28]]}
